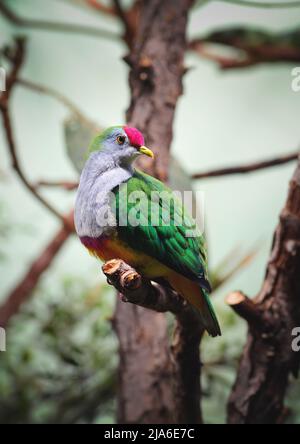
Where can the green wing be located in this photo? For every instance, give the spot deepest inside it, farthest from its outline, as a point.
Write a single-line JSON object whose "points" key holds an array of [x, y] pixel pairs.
{"points": [[162, 230]]}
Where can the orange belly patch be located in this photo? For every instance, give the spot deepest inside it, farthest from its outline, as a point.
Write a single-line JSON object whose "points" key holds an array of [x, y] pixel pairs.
{"points": [[112, 248]]}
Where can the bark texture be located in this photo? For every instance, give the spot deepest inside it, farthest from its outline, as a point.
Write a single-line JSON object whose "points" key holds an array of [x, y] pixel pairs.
{"points": [[148, 376], [268, 359], [156, 76], [135, 289]]}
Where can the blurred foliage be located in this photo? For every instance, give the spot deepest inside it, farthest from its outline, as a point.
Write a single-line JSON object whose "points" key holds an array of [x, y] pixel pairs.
{"points": [[62, 359]]}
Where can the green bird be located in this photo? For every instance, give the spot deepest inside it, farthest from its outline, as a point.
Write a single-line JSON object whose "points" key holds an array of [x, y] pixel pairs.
{"points": [[121, 212]]}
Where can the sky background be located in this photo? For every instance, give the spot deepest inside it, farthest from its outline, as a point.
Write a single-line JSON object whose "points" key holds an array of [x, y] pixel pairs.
{"points": [[221, 120]]}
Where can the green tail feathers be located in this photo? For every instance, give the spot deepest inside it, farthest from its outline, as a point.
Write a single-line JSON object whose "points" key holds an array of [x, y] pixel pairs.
{"points": [[209, 317]]}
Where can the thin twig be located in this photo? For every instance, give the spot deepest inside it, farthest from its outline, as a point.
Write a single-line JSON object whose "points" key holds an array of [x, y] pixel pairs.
{"points": [[96, 5], [17, 61], [45, 25], [124, 17], [17, 167], [99, 6], [271, 5], [249, 168], [224, 272], [30, 280], [69, 186], [51, 92], [251, 56], [198, 46], [252, 46], [121, 13]]}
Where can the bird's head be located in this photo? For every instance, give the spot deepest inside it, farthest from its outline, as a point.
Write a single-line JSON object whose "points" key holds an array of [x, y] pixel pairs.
{"points": [[122, 143]]}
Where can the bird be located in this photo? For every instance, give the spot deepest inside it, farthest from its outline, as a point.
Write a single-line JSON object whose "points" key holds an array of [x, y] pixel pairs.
{"points": [[111, 223]]}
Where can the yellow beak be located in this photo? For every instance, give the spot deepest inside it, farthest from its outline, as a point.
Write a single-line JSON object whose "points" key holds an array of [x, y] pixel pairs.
{"points": [[145, 150]]}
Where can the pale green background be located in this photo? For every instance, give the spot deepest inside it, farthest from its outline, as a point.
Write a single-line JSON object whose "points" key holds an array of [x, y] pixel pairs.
{"points": [[222, 119]]}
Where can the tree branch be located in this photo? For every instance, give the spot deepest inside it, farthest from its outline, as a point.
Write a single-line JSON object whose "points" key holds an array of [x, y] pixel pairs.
{"points": [[128, 16], [124, 17], [268, 359], [26, 286], [225, 63], [51, 92], [29, 282], [17, 60], [140, 291], [68, 186], [264, 5], [45, 25], [249, 168], [246, 309], [253, 46], [230, 265], [42, 89], [16, 166], [99, 6]]}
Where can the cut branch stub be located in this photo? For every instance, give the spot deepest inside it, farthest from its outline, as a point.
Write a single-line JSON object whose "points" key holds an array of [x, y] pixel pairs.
{"points": [[268, 358], [247, 310]]}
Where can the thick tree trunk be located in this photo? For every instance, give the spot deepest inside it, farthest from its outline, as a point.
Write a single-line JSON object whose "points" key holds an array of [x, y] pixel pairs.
{"points": [[268, 358], [148, 378]]}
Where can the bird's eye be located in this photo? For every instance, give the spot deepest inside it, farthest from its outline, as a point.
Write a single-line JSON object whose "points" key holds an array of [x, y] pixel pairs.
{"points": [[121, 140]]}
